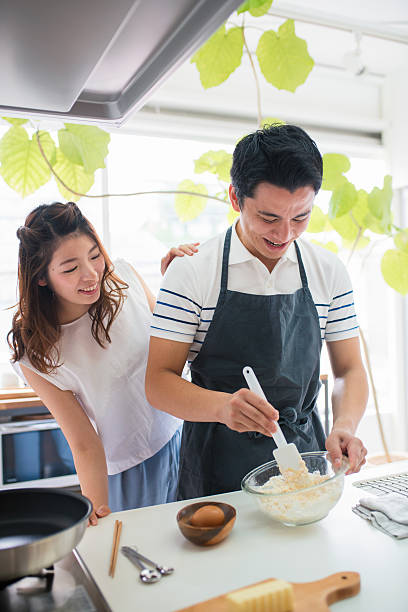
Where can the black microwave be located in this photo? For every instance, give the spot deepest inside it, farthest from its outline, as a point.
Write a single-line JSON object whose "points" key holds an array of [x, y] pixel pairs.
{"points": [[35, 453]]}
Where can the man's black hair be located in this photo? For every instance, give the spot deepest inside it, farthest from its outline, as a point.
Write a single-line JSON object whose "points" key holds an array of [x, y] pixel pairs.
{"points": [[283, 155]]}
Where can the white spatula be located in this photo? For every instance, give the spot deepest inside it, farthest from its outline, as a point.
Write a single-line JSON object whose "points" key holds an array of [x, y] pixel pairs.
{"points": [[287, 455]]}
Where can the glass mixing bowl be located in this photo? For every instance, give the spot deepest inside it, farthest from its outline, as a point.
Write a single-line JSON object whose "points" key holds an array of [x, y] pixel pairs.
{"points": [[301, 506]]}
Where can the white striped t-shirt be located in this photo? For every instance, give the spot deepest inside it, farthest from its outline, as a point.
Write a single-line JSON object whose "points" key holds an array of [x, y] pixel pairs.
{"points": [[191, 285]]}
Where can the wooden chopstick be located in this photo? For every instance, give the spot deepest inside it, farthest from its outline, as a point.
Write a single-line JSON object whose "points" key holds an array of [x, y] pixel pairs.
{"points": [[115, 547]]}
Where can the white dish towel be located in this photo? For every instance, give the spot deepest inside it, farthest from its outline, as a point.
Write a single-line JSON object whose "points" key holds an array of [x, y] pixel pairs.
{"points": [[388, 513]]}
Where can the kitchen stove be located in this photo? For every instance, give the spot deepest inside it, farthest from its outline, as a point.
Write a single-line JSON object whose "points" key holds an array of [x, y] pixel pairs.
{"points": [[46, 575], [65, 587]]}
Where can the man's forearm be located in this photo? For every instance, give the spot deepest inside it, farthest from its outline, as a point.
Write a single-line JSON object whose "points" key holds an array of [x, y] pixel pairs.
{"points": [[168, 391], [349, 399], [175, 395]]}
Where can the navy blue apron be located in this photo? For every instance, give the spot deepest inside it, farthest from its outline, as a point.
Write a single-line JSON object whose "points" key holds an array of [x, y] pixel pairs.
{"points": [[279, 337]]}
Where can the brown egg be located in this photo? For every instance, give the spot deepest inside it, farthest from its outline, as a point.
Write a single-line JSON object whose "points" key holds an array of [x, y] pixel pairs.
{"points": [[207, 516]]}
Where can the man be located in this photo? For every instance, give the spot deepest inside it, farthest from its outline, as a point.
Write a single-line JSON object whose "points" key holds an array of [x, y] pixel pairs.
{"points": [[256, 296]]}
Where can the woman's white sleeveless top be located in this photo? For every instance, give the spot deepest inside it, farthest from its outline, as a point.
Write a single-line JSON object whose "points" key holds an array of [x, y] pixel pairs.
{"points": [[109, 382]]}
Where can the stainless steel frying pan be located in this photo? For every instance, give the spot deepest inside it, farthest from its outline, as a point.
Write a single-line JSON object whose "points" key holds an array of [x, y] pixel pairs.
{"points": [[38, 527]]}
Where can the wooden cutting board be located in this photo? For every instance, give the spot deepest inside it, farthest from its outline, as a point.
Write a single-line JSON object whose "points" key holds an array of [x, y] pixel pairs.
{"points": [[309, 596]]}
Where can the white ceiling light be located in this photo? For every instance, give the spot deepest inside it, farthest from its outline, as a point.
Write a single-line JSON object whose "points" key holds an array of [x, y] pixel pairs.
{"points": [[352, 60]]}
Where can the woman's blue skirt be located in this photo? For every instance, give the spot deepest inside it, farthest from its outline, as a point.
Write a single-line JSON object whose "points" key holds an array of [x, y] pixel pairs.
{"points": [[152, 482]]}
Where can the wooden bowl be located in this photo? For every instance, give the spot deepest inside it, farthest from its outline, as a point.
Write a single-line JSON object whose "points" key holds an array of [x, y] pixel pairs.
{"points": [[205, 535]]}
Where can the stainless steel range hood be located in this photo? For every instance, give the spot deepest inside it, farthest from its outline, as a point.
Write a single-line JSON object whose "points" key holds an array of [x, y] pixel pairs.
{"points": [[96, 60]]}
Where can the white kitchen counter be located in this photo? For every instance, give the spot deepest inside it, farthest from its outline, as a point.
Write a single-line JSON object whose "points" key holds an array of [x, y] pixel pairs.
{"points": [[255, 550]]}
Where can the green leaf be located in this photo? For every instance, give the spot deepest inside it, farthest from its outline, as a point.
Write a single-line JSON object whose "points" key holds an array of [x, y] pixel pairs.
{"points": [[363, 216], [362, 243], [15, 120], [360, 209], [86, 145], [216, 162], [379, 200], [346, 227], [232, 215], [73, 176], [376, 226], [394, 268], [217, 59], [334, 165], [317, 221], [68, 143], [11, 139], [259, 8], [283, 57], [379, 205], [245, 6], [188, 207], [23, 167], [256, 8], [343, 198], [330, 246], [272, 121], [48, 146], [401, 240]]}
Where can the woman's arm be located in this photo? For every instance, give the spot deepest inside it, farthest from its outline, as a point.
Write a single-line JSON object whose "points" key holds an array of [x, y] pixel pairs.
{"points": [[84, 442]]}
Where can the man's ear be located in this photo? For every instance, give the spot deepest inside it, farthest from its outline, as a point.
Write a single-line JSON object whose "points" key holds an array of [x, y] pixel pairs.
{"points": [[42, 282], [233, 199]]}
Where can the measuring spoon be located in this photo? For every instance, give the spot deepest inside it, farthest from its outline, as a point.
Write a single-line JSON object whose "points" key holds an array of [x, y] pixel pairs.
{"points": [[165, 571], [146, 575]]}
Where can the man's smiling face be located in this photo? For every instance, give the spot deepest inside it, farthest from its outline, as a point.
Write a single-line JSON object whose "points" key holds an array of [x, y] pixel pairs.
{"points": [[272, 219]]}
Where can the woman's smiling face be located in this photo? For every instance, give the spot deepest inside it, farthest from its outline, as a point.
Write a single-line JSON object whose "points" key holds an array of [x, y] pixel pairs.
{"points": [[74, 275], [272, 219]]}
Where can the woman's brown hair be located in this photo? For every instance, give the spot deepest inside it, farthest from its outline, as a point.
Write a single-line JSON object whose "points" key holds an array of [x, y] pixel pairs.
{"points": [[35, 330]]}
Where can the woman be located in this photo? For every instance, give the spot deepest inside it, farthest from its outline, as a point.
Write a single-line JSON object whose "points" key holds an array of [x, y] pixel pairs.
{"points": [[80, 337]]}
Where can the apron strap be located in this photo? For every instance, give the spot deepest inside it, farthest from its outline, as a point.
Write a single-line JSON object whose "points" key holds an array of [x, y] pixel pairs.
{"points": [[224, 270], [225, 259], [288, 416], [302, 270]]}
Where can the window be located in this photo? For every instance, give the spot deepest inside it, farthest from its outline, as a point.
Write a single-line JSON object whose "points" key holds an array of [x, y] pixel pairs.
{"points": [[142, 228]]}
